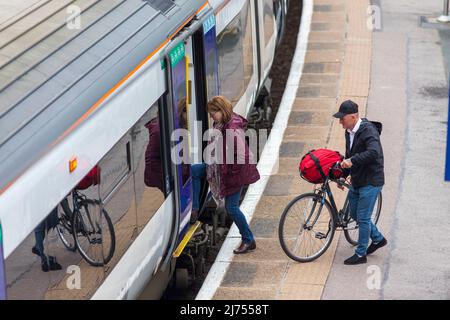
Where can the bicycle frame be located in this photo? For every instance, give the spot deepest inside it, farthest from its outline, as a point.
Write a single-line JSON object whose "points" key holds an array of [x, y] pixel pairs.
{"points": [[77, 198], [340, 216]]}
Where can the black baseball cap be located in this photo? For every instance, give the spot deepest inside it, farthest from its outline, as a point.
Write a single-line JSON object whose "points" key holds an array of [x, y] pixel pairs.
{"points": [[347, 107]]}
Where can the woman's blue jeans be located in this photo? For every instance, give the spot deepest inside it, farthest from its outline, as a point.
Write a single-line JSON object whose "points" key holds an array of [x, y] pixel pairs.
{"points": [[231, 203], [361, 203], [198, 173], [232, 206]]}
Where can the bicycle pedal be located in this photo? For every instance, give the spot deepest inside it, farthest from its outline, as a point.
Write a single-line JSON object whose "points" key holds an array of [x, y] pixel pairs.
{"points": [[320, 235]]}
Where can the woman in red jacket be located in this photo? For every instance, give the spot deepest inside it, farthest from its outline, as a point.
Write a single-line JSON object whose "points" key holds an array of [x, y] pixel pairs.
{"points": [[230, 167]]}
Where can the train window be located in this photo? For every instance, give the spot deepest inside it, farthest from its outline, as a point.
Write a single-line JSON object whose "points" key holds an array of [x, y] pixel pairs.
{"points": [[231, 73], [62, 257], [117, 212], [98, 223], [211, 62], [115, 167], [269, 23], [77, 242], [148, 168], [28, 267], [236, 56], [84, 239], [247, 45]]}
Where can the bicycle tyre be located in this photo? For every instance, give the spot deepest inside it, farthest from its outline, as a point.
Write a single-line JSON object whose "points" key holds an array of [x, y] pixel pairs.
{"points": [[61, 227], [350, 235], [282, 227], [85, 255]]}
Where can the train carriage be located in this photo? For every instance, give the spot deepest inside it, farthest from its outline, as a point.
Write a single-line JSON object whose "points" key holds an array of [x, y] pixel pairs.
{"points": [[99, 96]]}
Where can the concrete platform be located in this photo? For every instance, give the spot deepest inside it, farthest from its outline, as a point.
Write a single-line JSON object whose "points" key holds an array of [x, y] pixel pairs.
{"points": [[398, 75], [409, 94]]}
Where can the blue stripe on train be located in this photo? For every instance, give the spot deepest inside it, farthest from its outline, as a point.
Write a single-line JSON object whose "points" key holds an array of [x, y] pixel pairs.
{"points": [[447, 162]]}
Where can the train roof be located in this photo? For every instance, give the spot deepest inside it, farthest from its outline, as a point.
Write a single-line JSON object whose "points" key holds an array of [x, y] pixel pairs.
{"points": [[52, 71]]}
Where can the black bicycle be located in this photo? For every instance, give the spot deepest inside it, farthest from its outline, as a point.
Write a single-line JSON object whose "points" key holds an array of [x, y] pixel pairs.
{"points": [[309, 221], [86, 226]]}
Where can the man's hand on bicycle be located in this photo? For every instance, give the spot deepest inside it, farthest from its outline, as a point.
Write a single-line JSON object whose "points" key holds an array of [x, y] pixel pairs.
{"points": [[341, 182], [347, 163]]}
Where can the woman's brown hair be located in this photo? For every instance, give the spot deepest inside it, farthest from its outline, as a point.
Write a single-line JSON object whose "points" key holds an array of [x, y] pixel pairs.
{"points": [[222, 104]]}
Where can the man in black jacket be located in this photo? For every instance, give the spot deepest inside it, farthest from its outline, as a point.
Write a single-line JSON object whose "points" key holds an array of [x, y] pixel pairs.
{"points": [[365, 163]]}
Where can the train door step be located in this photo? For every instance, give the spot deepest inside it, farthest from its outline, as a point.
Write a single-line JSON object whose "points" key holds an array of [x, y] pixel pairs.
{"points": [[186, 239]]}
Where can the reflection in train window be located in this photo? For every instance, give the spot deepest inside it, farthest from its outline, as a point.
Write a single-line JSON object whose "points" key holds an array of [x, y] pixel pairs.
{"points": [[30, 265], [236, 56], [93, 232], [44, 266], [115, 166], [77, 242], [269, 23], [77, 257], [65, 253], [247, 44], [148, 169], [118, 202]]}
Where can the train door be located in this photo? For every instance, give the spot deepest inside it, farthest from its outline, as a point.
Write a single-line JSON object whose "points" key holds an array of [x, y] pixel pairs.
{"points": [[193, 103], [180, 136], [190, 82], [202, 84], [189, 112], [2, 268]]}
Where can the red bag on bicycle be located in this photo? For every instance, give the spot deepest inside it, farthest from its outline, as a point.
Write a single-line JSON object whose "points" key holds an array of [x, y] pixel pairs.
{"points": [[316, 165], [91, 179]]}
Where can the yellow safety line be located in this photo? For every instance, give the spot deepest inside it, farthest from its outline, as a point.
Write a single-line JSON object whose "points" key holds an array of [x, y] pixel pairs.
{"points": [[186, 239]]}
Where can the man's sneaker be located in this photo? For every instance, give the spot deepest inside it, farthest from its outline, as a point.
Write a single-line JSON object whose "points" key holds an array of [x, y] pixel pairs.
{"points": [[375, 246], [355, 259]]}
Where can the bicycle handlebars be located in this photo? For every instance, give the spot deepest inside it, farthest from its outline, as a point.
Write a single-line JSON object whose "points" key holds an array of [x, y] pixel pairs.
{"points": [[339, 182]]}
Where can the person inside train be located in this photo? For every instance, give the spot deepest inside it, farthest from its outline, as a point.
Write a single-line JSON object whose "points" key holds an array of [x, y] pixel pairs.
{"points": [[153, 173], [48, 263], [183, 124], [227, 178]]}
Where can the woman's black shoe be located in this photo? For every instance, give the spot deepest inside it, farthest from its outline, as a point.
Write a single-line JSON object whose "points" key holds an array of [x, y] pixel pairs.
{"points": [[245, 247]]}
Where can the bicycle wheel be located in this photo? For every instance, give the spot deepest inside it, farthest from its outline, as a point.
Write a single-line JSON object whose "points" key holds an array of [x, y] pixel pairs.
{"points": [[108, 237], [64, 227], [352, 231], [94, 233], [306, 227]]}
